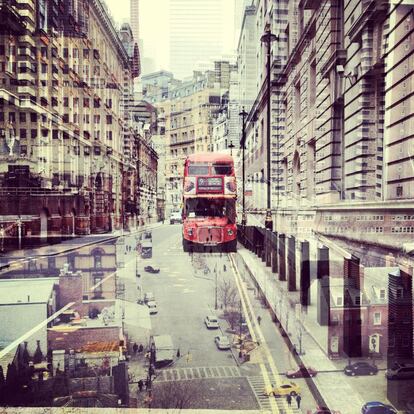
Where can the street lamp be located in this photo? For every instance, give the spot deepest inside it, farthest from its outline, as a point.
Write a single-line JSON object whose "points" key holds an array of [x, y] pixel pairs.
{"points": [[243, 114], [268, 37]]}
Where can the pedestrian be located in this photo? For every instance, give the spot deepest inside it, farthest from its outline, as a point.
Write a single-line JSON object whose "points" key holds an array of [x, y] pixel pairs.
{"points": [[259, 319], [178, 353], [140, 385], [289, 400], [298, 400], [140, 348], [135, 348]]}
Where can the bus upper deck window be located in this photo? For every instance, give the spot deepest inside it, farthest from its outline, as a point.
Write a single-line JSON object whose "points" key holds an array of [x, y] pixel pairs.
{"points": [[198, 169], [222, 169]]}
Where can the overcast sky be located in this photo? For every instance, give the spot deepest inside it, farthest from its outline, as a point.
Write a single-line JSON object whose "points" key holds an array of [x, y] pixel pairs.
{"points": [[154, 27]]}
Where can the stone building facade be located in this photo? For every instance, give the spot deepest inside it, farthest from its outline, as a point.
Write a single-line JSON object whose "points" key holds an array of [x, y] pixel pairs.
{"points": [[61, 142], [189, 117]]}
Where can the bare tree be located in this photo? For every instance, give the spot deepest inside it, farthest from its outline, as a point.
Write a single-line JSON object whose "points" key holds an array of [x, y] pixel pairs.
{"points": [[233, 317], [227, 293], [172, 395]]}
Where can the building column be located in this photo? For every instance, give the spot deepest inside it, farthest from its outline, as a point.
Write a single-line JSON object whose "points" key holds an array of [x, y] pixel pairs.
{"points": [[304, 274], [282, 257], [323, 295], [291, 259], [352, 327], [274, 252]]}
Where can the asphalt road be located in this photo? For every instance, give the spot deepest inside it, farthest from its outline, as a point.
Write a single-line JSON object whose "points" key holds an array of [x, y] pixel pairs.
{"points": [[184, 296]]}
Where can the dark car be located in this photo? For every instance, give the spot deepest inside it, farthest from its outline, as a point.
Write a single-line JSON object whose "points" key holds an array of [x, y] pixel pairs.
{"points": [[151, 269], [301, 372], [360, 368], [323, 410], [376, 407]]}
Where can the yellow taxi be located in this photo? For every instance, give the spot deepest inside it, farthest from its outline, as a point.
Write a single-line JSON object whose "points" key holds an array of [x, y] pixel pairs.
{"points": [[282, 389]]}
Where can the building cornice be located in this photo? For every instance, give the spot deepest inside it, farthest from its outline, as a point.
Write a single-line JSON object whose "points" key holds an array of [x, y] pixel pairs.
{"points": [[110, 29]]}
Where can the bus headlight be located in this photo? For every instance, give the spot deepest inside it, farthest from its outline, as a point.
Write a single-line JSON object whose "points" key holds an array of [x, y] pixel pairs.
{"points": [[230, 232]]}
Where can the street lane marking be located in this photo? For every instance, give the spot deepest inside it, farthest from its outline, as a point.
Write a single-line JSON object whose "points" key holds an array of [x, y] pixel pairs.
{"points": [[248, 310]]}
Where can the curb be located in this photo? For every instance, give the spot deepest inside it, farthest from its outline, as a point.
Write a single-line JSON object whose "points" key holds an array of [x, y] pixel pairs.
{"points": [[309, 381]]}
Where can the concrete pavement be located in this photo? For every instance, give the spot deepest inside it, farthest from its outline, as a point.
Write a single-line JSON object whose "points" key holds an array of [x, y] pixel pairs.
{"points": [[333, 386]]}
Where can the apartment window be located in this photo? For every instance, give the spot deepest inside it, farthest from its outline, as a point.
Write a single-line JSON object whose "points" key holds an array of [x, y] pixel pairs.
{"points": [[297, 100], [357, 300], [109, 135], [399, 191], [399, 293], [75, 53], [23, 150], [312, 83], [51, 262], [86, 53], [86, 102], [377, 318], [109, 119], [33, 133], [23, 133], [339, 301]]}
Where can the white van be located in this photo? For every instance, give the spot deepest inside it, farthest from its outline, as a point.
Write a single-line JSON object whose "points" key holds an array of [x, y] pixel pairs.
{"points": [[152, 307]]}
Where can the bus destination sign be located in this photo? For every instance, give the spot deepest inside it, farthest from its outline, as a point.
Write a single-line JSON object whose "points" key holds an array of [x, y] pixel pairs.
{"points": [[210, 184]]}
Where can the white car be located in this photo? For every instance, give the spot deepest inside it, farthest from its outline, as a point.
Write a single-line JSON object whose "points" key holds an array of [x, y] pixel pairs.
{"points": [[222, 342], [211, 322], [152, 307], [175, 217]]}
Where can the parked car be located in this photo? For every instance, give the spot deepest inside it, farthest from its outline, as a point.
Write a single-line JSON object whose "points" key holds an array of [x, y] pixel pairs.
{"points": [[148, 297], [152, 307], [151, 269], [410, 407], [376, 407], [283, 389], [211, 322], [361, 368], [323, 410], [301, 372], [400, 371], [175, 217], [222, 342]]}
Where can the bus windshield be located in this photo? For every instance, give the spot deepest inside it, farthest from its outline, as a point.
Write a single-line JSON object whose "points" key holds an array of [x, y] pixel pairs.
{"points": [[221, 169], [198, 169], [204, 207]]}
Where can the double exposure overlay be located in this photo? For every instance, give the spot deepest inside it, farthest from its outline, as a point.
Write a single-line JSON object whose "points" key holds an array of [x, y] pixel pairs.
{"points": [[207, 205]]}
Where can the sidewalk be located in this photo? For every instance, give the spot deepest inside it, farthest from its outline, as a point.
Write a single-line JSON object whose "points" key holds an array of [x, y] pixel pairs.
{"points": [[332, 386]]}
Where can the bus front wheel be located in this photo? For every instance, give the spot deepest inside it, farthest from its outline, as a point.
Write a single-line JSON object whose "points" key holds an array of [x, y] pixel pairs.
{"points": [[185, 246]]}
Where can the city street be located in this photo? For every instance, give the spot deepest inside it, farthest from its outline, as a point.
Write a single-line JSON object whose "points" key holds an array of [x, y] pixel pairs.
{"points": [[185, 293]]}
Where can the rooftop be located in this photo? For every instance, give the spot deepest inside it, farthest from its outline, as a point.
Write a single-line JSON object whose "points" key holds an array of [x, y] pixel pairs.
{"points": [[27, 290]]}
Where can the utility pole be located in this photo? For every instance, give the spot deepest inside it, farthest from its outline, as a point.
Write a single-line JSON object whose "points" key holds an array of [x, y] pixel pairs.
{"points": [[268, 37], [243, 114], [240, 330], [215, 302], [150, 373]]}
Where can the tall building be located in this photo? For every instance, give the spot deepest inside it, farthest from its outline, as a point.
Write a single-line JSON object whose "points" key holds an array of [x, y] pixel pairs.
{"points": [[189, 117], [61, 141], [196, 33], [135, 13]]}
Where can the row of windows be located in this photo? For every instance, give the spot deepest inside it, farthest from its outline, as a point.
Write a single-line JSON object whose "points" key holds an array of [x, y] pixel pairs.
{"points": [[402, 229], [401, 218]]}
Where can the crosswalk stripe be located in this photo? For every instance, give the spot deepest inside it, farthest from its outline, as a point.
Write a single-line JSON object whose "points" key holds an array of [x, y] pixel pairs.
{"points": [[257, 384], [174, 374]]}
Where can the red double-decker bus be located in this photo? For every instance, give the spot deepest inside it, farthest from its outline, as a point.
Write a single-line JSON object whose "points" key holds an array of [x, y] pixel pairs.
{"points": [[209, 203]]}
